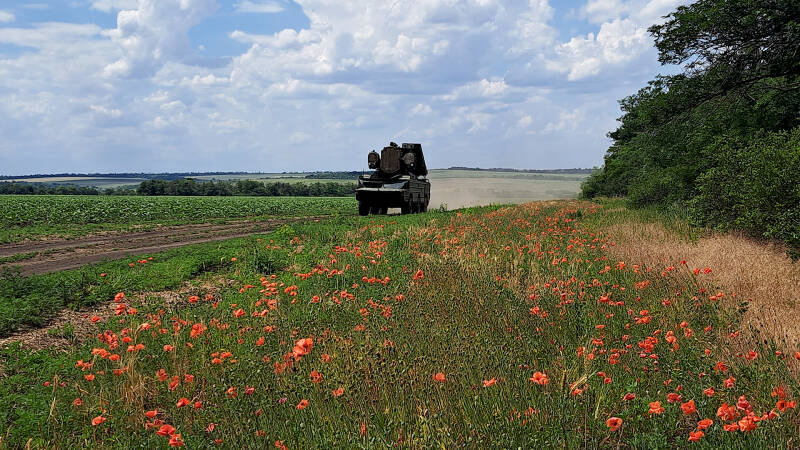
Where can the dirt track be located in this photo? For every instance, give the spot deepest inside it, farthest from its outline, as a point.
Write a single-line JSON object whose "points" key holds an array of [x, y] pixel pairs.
{"points": [[61, 254]]}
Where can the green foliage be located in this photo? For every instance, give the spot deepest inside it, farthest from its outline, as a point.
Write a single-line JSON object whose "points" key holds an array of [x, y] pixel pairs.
{"points": [[683, 138], [245, 187], [754, 186]]}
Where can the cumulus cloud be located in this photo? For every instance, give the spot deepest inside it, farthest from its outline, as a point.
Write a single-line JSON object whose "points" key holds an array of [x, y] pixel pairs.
{"points": [[479, 82], [154, 34], [376, 41]]}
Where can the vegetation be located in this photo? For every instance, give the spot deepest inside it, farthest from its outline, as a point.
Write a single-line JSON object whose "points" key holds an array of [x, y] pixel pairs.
{"points": [[720, 140], [490, 327], [18, 211], [246, 188]]}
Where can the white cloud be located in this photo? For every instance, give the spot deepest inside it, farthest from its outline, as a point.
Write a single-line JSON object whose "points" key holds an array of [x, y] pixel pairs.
{"points": [[471, 79], [265, 7], [6, 17], [155, 34]]}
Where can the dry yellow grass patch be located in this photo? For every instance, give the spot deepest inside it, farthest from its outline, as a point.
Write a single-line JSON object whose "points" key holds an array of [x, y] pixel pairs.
{"points": [[745, 270]]}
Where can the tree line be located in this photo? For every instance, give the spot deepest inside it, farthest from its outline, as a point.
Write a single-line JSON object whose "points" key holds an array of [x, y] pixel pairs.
{"points": [[245, 187], [191, 187], [719, 141]]}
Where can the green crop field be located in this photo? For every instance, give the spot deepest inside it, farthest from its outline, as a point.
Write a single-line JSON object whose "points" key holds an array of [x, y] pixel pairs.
{"points": [[30, 216], [20, 210]]}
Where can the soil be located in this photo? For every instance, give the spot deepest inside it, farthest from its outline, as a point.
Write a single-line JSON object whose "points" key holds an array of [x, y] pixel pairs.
{"points": [[52, 255]]}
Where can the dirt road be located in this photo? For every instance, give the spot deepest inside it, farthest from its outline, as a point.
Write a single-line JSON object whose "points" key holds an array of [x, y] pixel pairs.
{"points": [[52, 255]]}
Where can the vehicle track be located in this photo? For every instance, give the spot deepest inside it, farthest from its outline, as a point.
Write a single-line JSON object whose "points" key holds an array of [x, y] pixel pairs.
{"points": [[63, 254]]}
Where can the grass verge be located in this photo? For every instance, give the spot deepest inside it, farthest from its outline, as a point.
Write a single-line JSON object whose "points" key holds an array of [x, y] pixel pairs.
{"points": [[501, 327]]}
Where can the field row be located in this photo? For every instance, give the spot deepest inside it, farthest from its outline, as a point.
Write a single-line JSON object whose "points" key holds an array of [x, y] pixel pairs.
{"points": [[21, 210]]}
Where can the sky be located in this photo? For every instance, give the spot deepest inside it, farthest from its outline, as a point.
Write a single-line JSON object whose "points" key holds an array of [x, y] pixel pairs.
{"points": [[303, 85]]}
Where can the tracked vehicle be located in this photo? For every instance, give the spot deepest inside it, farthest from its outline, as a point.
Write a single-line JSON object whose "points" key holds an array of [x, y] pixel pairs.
{"points": [[399, 181]]}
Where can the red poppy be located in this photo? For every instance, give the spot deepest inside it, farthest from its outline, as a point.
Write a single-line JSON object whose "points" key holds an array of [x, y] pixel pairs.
{"points": [[175, 440], [614, 423], [705, 423], [166, 430], [656, 408], [689, 407], [302, 405], [540, 378], [439, 376]]}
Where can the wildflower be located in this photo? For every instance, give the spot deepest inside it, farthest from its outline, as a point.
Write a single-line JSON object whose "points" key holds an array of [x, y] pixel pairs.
{"points": [[614, 423], [540, 378], [705, 423], [302, 405], [673, 397], [166, 430], [656, 408], [183, 402], [197, 330], [150, 414], [628, 397], [338, 392], [316, 377], [77, 402], [487, 383], [783, 405], [439, 376], [747, 424], [689, 407], [98, 420], [418, 275], [695, 436], [302, 347], [175, 440], [731, 427], [709, 392], [727, 412]]}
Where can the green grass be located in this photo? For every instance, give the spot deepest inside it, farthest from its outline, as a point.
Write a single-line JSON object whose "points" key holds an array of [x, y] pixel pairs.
{"points": [[503, 293]]}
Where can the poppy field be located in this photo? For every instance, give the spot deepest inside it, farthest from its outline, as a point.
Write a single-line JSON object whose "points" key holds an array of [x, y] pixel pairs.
{"points": [[484, 327]]}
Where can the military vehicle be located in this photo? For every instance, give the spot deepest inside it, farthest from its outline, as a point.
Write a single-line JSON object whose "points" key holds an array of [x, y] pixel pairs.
{"points": [[399, 181]]}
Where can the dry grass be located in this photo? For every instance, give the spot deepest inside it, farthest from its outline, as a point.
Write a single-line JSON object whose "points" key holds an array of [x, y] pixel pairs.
{"points": [[760, 274]]}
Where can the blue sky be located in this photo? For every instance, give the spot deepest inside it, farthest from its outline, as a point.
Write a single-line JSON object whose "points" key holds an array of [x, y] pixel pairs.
{"points": [[281, 85]]}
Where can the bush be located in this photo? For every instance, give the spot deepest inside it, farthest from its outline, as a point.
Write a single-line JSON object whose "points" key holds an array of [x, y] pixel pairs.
{"points": [[754, 186]]}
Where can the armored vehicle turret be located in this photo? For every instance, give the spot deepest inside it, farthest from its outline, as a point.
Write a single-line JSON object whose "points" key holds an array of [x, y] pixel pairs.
{"points": [[399, 181]]}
